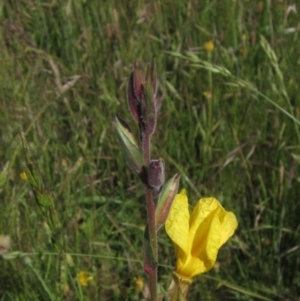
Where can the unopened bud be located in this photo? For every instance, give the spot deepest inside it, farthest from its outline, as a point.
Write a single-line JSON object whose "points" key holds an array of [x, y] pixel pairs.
{"points": [[153, 77], [165, 200], [156, 174], [135, 91], [149, 106], [141, 97], [129, 146]]}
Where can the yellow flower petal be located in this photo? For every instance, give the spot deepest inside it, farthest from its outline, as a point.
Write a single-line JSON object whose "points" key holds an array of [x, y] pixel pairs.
{"points": [[229, 225], [23, 176], [210, 226], [204, 239], [139, 283], [202, 214], [209, 46], [177, 224], [84, 278]]}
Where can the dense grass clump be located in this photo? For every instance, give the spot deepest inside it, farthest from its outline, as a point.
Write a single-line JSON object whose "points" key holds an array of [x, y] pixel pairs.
{"points": [[229, 124]]}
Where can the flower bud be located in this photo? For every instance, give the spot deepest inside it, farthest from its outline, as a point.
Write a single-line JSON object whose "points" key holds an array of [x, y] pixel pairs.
{"points": [[153, 77], [135, 92], [156, 175], [149, 103], [141, 97], [129, 146], [165, 200]]}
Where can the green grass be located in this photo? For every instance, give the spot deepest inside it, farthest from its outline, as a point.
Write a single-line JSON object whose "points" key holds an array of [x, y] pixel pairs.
{"points": [[241, 145]]}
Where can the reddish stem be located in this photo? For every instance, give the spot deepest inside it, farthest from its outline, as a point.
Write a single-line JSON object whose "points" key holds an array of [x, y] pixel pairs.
{"points": [[146, 140]]}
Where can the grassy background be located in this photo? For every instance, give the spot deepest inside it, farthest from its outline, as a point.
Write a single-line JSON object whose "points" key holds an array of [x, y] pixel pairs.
{"points": [[233, 133]]}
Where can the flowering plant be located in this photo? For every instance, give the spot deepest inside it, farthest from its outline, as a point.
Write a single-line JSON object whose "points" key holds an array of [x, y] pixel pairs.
{"points": [[197, 237]]}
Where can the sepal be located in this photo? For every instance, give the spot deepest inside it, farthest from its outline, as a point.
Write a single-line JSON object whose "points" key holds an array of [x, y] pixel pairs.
{"points": [[149, 102], [165, 200], [135, 91], [179, 288], [130, 148]]}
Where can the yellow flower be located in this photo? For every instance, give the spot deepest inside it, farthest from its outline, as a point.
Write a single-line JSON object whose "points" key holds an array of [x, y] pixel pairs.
{"points": [[139, 283], [84, 278], [209, 46], [23, 176], [198, 237], [207, 95]]}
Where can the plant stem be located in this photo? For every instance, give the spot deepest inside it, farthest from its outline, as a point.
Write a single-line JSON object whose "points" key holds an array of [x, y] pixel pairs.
{"points": [[153, 242], [150, 218], [210, 99]]}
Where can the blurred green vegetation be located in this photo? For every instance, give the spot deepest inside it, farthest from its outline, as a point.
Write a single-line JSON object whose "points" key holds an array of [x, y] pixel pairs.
{"points": [[63, 76]]}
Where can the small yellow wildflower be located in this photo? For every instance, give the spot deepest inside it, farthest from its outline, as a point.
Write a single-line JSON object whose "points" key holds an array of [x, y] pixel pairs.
{"points": [[139, 283], [83, 278], [209, 46], [23, 176], [207, 95], [197, 237]]}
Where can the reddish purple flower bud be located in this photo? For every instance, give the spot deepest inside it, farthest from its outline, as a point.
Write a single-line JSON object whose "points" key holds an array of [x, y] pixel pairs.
{"points": [[141, 97], [156, 174], [138, 81], [149, 110], [153, 77], [135, 92]]}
